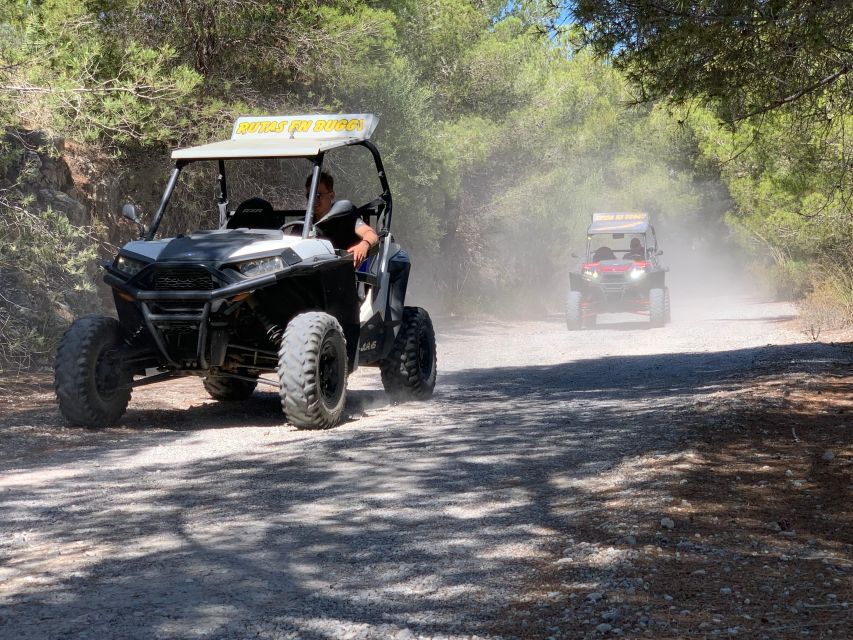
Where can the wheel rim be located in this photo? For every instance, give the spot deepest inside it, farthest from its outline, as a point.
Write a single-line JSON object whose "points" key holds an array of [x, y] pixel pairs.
{"points": [[330, 373]]}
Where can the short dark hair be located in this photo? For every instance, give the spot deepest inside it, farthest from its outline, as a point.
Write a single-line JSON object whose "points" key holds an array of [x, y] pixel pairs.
{"points": [[325, 178]]}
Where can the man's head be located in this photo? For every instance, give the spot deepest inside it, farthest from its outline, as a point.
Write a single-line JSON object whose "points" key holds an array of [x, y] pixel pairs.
{"points": [[636, 245], [325, 194]]}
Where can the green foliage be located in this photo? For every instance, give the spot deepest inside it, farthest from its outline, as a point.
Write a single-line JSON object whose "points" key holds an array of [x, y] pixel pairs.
{"points": [[777, 74], [45, 279], [744, 57], [498, 143], [791, 193], [64, 76]]}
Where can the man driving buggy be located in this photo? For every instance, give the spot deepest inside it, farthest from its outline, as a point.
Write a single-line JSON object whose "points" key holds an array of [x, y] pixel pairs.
{"points": [[358, 239]]}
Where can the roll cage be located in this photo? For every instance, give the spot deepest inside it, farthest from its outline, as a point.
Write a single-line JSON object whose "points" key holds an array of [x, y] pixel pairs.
{"points": [[594, 240], [384, 223]]}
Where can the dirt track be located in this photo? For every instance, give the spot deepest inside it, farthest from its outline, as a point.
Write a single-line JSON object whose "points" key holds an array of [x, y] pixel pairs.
{"points": [[522, 501]]}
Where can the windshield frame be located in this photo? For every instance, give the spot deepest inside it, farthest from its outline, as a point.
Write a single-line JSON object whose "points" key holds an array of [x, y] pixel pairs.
{"points": [[317, 167]]}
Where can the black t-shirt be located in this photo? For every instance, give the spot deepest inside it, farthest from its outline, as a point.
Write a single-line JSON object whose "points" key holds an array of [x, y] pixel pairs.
{"points": [[340, 229]]}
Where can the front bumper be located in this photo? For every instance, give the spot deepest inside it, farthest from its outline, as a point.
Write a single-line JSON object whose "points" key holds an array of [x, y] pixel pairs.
{"points": [[187, 327]]}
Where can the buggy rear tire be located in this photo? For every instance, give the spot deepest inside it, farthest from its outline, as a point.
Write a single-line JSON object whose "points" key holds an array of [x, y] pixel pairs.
{"points": [[574, 311], [92, 386], [667, 306], [657, 307], [312, 371], [228, 389], [409, 371]]}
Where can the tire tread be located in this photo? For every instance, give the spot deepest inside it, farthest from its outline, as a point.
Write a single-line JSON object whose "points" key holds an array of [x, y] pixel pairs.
{"points": [[297, 371], [72, 374], [401, 372]]}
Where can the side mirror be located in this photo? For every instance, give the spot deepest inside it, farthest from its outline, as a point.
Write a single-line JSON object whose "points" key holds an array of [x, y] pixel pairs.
{"points": [[574, 255], [659, 253], [129, 211]]}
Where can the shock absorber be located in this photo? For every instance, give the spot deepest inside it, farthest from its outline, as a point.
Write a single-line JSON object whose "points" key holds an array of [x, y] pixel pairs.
{"points": [[274, 332]]}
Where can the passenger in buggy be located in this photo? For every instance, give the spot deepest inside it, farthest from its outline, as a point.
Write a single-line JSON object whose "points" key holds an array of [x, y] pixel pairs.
{"points": [[636, 252], [603, 253]]}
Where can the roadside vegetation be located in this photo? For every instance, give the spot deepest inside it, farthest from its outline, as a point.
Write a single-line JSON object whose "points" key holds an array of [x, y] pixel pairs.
{"points": [[502, 130]]}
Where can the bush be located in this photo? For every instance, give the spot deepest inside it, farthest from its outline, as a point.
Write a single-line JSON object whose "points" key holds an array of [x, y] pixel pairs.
{"points": [[46, 266], [829, 305]]}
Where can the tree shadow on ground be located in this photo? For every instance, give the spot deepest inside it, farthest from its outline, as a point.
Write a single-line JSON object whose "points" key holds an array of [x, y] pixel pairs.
{"points": [[434, 529]]}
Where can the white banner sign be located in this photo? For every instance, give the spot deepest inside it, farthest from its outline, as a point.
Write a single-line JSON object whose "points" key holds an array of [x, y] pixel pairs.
{"points": [[314, 127]]}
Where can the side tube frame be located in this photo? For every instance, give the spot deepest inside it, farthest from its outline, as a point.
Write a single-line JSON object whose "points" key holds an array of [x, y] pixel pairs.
{"points": [[164, 202], [312, 197], [223, 196]]}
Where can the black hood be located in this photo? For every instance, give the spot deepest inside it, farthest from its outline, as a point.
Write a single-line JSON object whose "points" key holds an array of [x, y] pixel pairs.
{"points": [[211, 246]]}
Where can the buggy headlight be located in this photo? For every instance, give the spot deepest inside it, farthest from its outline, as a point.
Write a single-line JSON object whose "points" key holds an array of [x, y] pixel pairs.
{"points": [[260, 266], [589, 273], [129, 266], [636, 274]]}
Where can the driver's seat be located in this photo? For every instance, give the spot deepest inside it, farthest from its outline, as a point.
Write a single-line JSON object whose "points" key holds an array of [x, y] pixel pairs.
{"points": [[254, 213], [603, 253]]}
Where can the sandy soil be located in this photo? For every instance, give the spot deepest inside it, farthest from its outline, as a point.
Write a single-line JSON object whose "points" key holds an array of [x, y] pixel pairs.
{"points": [[691, 481]]}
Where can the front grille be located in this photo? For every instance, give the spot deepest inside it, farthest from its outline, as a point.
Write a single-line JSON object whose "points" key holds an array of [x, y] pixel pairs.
{"points": [[613, 277], [183, 280]]}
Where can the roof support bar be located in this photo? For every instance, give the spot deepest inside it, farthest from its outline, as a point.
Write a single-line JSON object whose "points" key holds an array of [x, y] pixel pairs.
{"points": [[164, 202], [312, 195], [223, 195]]}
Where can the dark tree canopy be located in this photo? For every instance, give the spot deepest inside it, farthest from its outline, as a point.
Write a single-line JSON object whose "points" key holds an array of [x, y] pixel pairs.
{"points": [[746, 57]]}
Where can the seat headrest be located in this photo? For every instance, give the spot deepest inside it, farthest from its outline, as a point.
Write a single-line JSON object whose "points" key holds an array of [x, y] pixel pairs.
{"points": [[254, 206]]}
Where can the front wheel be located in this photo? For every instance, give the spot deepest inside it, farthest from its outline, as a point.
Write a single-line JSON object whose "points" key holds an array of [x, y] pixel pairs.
{"points": [[574, 311], [92, 386], [409, 371], [312, 371], [657, 307]]}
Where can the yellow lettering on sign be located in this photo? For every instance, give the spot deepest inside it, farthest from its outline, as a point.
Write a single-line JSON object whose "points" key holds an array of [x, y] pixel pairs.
{"points": [[342, 124], [261, 127], [319, 125]]}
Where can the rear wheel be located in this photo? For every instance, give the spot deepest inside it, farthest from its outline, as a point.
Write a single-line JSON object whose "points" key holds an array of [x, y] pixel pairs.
{"points": [[92, 386], [657, 307], [667, 307], [409, 371], [312, 371], [227, 389], [574, 311]]}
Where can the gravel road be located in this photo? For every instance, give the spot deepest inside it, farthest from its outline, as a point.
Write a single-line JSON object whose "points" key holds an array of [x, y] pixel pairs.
{"points": [[425, 520]]}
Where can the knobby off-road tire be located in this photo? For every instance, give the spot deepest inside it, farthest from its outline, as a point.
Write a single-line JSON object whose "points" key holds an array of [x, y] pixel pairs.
{"points": [[92, 386], [667, 306], [228, 389], [657, 307], [312, 370], [574, 311], [408, 373]]}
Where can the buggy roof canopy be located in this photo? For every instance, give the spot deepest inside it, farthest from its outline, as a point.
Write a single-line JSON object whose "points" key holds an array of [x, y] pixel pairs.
{"points": [[285, 137], [629, 222]]}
